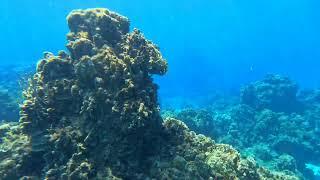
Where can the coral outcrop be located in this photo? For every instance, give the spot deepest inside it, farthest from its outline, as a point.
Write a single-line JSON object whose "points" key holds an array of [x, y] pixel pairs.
{"points": [[275, 92], [94, 114], [283, 141], [198, 120]]}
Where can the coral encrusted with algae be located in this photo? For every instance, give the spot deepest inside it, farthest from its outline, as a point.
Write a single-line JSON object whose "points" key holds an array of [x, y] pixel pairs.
{"points": [[94, 114]]}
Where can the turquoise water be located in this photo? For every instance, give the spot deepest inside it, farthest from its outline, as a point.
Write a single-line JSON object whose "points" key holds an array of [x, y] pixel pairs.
{"points": [[213, 44], [213, 47]]}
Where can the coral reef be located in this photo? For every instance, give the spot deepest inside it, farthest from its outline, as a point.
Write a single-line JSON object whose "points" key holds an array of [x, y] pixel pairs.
{"points": [[14, 151], [198, 120], [94, 114], [275, 92], [12, 80], [9, 110], [281, 140]]}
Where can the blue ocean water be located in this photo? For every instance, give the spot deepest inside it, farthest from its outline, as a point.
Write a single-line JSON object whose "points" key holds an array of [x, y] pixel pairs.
{"points": [[210, 45]]}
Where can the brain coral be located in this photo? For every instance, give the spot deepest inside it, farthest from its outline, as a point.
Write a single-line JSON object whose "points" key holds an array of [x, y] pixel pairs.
{"points": [[94, 114]]}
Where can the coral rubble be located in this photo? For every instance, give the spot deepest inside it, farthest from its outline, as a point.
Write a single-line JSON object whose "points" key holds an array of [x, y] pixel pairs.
{"points": [[94, 114]]}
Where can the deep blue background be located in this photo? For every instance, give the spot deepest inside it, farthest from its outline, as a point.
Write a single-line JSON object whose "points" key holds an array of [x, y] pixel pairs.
{"points": [[210, 44]]}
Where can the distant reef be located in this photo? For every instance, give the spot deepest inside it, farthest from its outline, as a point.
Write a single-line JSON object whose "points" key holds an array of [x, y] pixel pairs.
{"points": [[12, 81], [275, 92], [93, 114], [9, 108], [271, 121]]}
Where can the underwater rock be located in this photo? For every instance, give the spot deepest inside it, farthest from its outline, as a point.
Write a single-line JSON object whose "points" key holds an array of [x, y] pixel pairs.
{"points": [[95, 115], [275, 92]]}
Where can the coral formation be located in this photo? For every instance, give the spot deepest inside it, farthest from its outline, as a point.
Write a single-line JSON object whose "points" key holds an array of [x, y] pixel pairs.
{"points": [[200, 121], [94, 114], [14, 151], [275, 92], [282, 141]]}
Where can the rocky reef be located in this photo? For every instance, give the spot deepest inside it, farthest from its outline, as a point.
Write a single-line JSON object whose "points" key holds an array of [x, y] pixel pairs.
{"points": [[277, 135], [94, 114], [275, 92]]}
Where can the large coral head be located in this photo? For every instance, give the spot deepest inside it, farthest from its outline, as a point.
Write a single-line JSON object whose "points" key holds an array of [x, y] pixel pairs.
{"points": [[92, 30]]}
